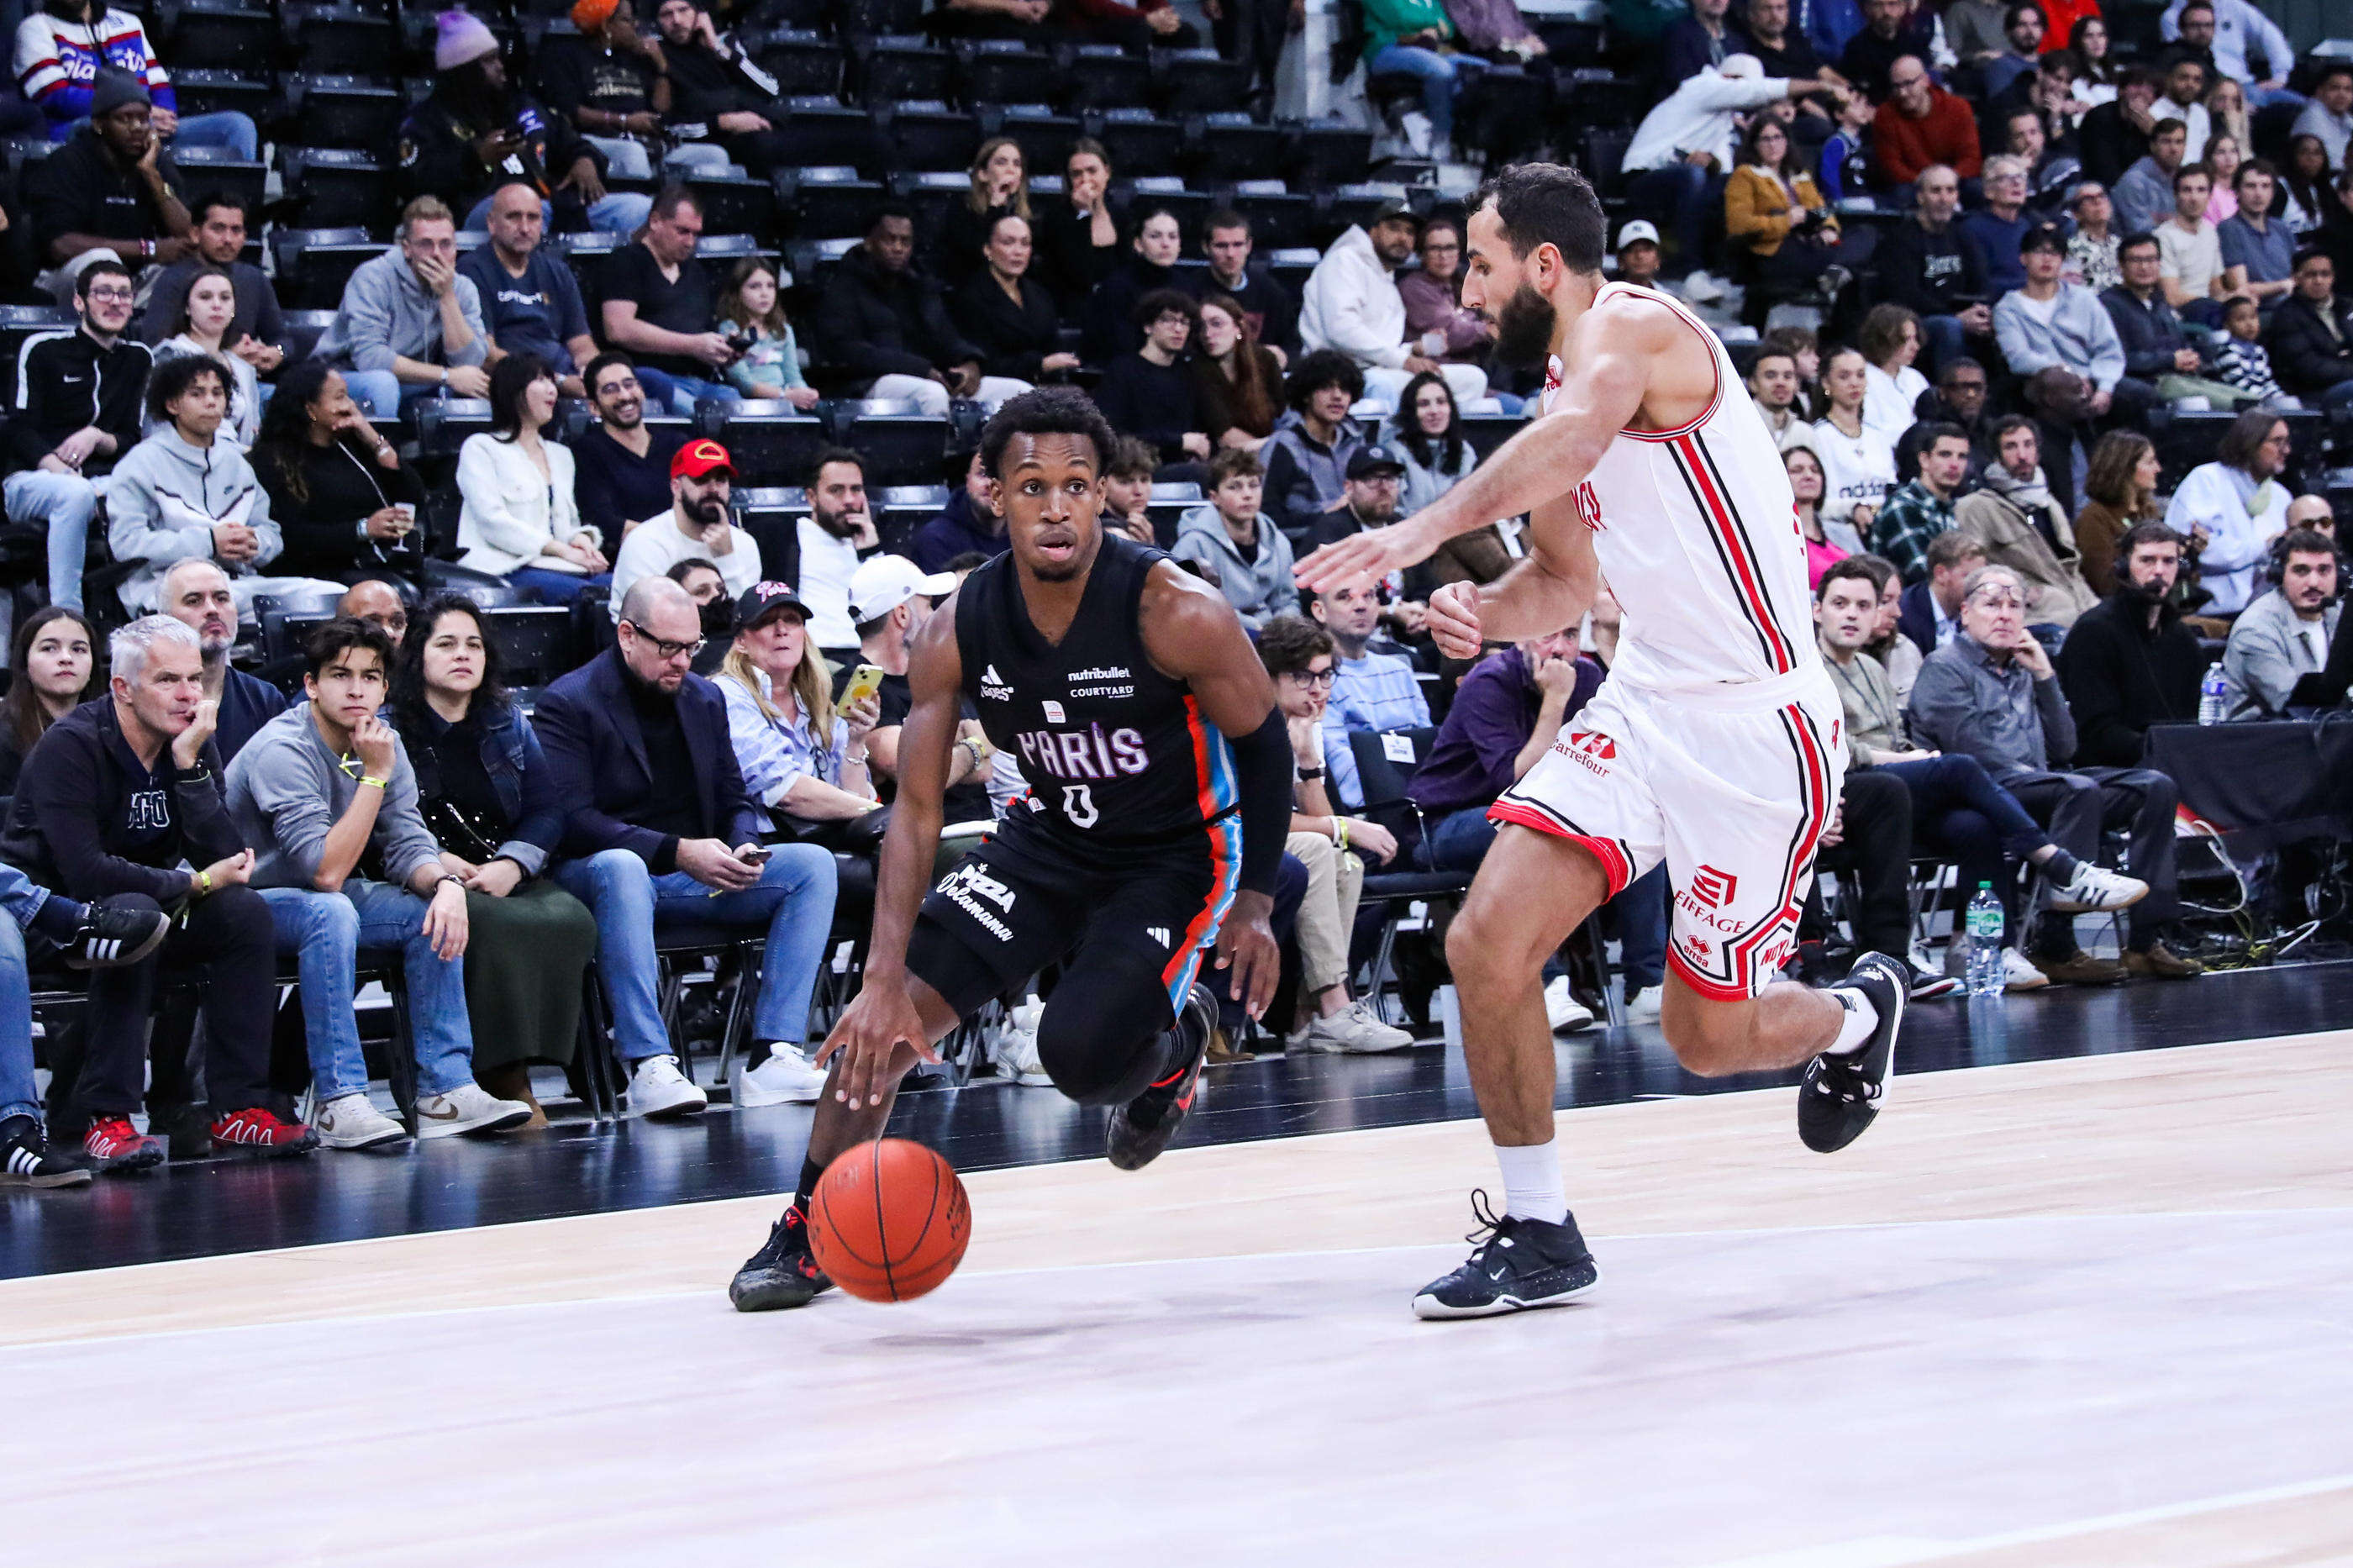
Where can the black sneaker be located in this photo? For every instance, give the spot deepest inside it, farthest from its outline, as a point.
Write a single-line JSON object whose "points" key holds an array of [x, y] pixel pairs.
{"points": [[1515, 1264], [1841, 1094], [110, 938], [1142, 1127], [28, 1161], [784, 1272]]}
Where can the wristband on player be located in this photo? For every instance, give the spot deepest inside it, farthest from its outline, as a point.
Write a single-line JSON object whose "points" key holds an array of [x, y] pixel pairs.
{"points": [[1309, 775]]}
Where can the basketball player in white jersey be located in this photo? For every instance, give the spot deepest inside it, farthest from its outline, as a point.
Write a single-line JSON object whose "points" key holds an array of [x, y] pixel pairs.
{"points": [[1714, 745]]}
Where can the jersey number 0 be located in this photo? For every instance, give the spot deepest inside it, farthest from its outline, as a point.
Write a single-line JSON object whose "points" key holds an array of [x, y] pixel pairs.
{"points": [[1078, 805]]}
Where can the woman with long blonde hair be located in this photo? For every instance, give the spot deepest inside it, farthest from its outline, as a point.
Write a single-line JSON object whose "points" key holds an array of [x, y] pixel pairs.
{"points": [[801, 759], [1000, 185]]}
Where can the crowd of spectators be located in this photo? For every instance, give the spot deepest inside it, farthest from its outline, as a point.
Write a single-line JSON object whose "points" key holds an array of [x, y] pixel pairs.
{"points": [[2003, 248]]}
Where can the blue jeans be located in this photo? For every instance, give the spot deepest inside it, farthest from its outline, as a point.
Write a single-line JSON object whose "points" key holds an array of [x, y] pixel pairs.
{"points": [[21, 900], [1958, 809], [680, 392], [1441, 77], [2339, 396], [794, 899], [63, 503], [222, 128], [1686, 191], [1460, 840], [558, 587], [327, 932], [621, 212]]}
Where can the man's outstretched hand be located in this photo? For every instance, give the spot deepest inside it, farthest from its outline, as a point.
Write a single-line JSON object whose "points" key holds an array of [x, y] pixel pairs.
{"points": [[1246, 946], [1374, 552]]}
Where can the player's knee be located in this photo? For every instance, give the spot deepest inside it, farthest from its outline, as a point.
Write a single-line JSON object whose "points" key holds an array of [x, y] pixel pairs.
{"points": [[1087, 1062], [1485, 948]]}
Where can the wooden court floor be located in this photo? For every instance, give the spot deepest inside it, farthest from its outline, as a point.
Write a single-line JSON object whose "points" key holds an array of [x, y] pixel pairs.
{"points": [[2096, 1311]]}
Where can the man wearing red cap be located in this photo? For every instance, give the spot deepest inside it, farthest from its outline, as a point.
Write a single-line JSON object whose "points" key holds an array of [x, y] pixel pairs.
{"points": [[697, 526]]}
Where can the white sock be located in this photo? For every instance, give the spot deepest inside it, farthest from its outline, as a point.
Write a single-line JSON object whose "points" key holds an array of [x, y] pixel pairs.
{"points": [[1531, 1183], [1856, 1028]]}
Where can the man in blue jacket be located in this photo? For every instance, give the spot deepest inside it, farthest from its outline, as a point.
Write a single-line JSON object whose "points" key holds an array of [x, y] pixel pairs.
{"points": [[662, 834]]}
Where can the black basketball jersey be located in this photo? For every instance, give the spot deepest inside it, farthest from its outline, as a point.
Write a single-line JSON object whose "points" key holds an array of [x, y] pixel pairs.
{"points": [[1112, 748]]}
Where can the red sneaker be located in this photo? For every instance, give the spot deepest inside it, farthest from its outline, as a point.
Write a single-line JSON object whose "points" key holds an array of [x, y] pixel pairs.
{"points": [[261, 1130], [114, 1144]]}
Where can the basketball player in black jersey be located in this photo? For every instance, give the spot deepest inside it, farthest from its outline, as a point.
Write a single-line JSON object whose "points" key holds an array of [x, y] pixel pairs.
{"points": [[1159, 774]]}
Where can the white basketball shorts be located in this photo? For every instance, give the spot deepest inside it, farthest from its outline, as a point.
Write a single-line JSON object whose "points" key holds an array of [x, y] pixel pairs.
{"points": [[1732, 790]]}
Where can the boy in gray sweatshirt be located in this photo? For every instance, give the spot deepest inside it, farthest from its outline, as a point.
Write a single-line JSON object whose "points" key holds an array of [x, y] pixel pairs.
{"points": [[1244, 552], [317, 792], [183, 494]]}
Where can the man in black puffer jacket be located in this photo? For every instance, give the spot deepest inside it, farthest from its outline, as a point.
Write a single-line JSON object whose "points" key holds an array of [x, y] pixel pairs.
{"points": [[884, 323]]}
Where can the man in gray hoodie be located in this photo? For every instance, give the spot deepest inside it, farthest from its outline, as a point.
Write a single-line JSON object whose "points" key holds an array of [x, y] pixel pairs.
{"points": [[410, 324], [1237, 545], [182, 495], [316, 790]]}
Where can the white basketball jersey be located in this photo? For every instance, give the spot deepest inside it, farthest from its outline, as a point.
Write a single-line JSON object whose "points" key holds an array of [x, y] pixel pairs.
{"points": [[1697, 535]]}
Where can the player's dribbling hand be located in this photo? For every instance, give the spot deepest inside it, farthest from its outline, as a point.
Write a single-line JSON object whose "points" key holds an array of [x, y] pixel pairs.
{"points": [[1246, 945], [1453, 620], [879, 1039]]}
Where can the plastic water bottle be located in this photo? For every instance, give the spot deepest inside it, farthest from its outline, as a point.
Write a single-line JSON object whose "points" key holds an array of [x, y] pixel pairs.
{"points": [[1984, 926], [2213, 696]]}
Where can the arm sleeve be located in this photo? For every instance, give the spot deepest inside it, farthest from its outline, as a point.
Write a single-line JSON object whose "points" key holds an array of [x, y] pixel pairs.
{"points": [[541, 827], [1939, 709], [2258, 665], [134, 530], [400, 831], [481, 487], [2009, 331], [2107, 350], [1346, 789], [61, 783], [2091, 682], [294, 804], [363, 320], [1263, 763], [564, 739], [760, 756]]}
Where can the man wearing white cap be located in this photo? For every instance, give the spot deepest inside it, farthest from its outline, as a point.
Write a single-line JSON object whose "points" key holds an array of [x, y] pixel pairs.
{"points": [[1637, 254], [1684, 147], [891, 597]]}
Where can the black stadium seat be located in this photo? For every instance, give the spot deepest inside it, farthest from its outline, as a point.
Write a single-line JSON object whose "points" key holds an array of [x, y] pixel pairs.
{"points": [[313, 264], [19, 323], [1279, 216], [344, 38], [304, 331], [1141, 143], [1485, 432], [1104, 75], [804, 62], [333, 188], [247, 90], [772, 443], [857, 18], [219, 34], [1003, 71], [931, 192], [901, 447], [902, 66], [341, 112], [208, 169], [1356, 205], [1328, 153], [925, 134], [1167, 191], [827, 131], [1233, 146], [1198, 81], [734, 204], [443, 423], [534, 641], [828, 202]]}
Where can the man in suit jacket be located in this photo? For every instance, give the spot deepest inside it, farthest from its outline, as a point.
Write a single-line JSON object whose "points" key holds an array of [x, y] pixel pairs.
{"points": [[660, 833], [1930, 610]]}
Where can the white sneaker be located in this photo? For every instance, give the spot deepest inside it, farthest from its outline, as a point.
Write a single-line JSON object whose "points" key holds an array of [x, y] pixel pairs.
{"points": [[1418, 130], [468, 1107], [2094, 889], [787, 1077], [657, 1088], [1563, 1011], [2018, 974], [1013, 1046], [1645, 1007], [1353, 1031], [353, 1121]]}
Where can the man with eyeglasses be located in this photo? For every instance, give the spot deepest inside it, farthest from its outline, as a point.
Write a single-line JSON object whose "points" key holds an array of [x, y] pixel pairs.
{"points": [[697, 527], [77, 404], [410, 324], [1991, 693], [659, 832]]}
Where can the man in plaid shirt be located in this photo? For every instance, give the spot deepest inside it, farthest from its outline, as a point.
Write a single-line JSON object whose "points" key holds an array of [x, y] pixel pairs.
{"points": [[1918, 511]]}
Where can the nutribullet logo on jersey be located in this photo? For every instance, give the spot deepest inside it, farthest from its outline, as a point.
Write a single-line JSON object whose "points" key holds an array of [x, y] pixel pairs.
{"points": [[1107, 680], [1091, 754]]}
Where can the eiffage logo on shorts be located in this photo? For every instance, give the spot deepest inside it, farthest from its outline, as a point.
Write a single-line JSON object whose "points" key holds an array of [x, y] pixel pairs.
{"points": [[1713, 888]]}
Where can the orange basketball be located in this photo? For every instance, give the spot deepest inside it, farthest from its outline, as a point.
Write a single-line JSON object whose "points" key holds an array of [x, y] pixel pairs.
{"points": [[890, 1221]]}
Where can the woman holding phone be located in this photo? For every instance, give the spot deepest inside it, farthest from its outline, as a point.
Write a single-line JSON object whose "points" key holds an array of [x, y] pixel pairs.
{"points": [[801, 760], [338, 490]]}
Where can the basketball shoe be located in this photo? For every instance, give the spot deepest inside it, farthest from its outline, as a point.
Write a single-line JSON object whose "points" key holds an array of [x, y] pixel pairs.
{"points": [[1514, 1264], [784, 1272], [1843, 1090], [1142, 1127]]}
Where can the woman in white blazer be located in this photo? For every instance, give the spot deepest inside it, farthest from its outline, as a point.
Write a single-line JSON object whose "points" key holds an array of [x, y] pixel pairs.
{"points": [[520, 519]]}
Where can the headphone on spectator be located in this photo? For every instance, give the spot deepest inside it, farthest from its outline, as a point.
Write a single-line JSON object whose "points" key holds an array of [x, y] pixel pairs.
{"points": [[2272, 571]]}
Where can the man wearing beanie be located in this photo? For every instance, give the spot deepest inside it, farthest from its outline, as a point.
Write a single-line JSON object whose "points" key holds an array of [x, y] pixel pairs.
{"points": [[474, 133], [110, 191], [608, 81]]}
